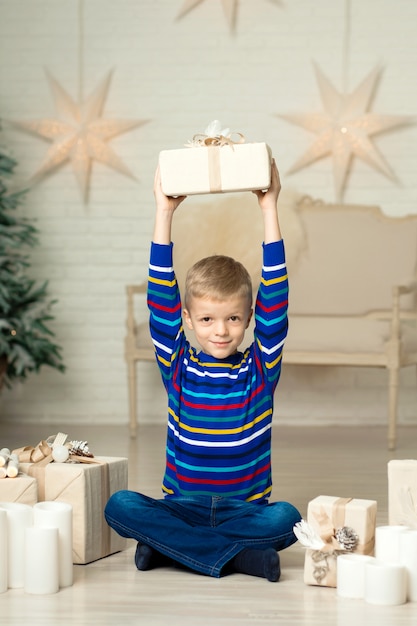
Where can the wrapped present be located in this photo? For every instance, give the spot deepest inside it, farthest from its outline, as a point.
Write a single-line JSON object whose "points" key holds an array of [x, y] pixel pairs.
{"points": [[214, 163], [87, 486], [22, 489], [338, 526], [402, 492]]}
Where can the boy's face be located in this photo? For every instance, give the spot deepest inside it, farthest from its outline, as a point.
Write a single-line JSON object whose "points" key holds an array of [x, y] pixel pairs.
{"points": [[219, 325]]}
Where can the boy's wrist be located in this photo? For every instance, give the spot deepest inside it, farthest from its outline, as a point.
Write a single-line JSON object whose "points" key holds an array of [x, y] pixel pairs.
{"points": [[162, 227]]}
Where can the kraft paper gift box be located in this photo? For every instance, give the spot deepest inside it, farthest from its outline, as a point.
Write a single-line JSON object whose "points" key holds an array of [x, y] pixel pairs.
{"points": [[327, 515], [402, 492], [215, 169], [22, 489], [87, 487]]}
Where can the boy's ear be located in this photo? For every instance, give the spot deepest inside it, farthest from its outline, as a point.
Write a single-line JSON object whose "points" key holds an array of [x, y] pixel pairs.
{"points": [[249, 318], [187, 318]]}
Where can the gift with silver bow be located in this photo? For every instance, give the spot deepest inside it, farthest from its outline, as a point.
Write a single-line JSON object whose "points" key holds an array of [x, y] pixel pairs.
{"points": [[335, 526], [216, 161]]}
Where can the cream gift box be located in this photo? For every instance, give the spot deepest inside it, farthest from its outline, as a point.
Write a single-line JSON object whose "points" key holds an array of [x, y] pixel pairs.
{"points": [[23, 489], [332, 519], [402, 492], [215, 169], [87, 487]]}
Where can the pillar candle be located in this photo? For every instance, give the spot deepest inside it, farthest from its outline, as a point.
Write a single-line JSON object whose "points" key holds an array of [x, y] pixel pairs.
{"points": [[351, 575], [408, 558], [13, 466], [4, 456], [58, 515], [41, 560], [19, 517], [385, 583], [3, 551], [387, 543]]}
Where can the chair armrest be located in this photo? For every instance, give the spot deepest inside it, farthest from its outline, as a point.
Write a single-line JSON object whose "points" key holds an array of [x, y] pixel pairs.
{"points": [[401, 290], [397, 292]]}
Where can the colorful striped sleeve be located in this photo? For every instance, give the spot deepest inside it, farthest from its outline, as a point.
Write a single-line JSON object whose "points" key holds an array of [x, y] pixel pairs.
{"points": [[271, 310], [164, 303]]}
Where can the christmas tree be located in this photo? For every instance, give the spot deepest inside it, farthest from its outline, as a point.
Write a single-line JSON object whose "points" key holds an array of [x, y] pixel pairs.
{"points": [[26, 343]]}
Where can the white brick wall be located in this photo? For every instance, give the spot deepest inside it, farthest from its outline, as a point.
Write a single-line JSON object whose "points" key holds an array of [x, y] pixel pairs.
{"points": [[179, 75]]}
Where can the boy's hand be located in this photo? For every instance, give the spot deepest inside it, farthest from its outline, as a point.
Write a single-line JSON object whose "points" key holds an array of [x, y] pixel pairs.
{"points": [[163, 202], [268, 199], [268, 202]]}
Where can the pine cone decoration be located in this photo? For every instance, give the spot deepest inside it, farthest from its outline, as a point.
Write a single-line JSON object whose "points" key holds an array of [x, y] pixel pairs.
{"points": [[80, 448], [347, 538]]}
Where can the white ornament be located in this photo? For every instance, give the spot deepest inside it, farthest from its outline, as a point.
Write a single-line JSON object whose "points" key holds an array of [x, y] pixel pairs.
{"points": [[60, 454]]}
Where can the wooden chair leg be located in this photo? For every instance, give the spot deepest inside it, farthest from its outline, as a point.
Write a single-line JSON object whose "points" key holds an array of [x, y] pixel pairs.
{"points": [[131, 378], [393, 407]]}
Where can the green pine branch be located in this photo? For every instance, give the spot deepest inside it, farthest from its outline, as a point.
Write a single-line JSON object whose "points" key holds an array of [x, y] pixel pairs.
{"points": [[26, 341]]}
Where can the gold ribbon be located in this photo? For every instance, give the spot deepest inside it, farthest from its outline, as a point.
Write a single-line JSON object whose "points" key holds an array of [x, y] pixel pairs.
{"points": [[201, 140], [40, 454], [328, 525], [214, 144]]}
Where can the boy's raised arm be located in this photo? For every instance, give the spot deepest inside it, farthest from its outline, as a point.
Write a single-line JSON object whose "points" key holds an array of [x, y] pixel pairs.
{"points": [[165, 207], [268, 201]]}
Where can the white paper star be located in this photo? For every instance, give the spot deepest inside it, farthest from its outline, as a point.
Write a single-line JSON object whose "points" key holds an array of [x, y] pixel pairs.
{"points": [[79, 134], [344, 129], [229, 7]]}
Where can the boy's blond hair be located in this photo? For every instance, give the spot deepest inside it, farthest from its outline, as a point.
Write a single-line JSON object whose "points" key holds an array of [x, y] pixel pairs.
{"points": [[219, 277]]}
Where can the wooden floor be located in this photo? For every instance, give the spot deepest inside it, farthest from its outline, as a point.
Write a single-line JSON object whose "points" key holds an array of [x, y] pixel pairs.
{"points": [[345, 462]]}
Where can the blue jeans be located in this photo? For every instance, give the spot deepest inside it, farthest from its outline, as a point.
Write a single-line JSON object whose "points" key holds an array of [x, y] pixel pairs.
{"points": [[203, 532]]}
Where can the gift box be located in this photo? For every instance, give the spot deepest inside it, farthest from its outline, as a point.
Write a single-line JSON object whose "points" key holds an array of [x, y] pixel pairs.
{"points": [[23, 489], [402, 492], [214, 163], [345, 525], [86, 486]]}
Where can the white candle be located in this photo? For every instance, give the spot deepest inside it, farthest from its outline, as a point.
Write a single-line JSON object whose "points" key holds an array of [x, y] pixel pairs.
{"points": [[408, 558], [385, 583], [13, 466], [4, 456], [3, 551], [387, 543], [58, 515], [19, 517], [41, 560], [351, 575]]}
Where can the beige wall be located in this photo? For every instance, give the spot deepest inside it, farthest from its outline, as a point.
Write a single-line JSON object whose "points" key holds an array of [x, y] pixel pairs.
{"points": [[179, 75]]}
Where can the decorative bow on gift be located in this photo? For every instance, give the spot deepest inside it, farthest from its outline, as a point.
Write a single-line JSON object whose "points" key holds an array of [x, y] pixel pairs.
{"points": [[325, 543], [214, 135], [42, 453], [329, 540], [55, 449]]}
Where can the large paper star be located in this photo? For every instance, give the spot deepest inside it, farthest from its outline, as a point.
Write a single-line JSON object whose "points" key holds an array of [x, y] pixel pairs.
{"points": [[229, 7], [79, 134], [344, 129]]}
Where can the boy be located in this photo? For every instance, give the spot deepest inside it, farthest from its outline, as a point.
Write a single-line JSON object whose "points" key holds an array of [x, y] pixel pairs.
{"points": [[215, 517]]}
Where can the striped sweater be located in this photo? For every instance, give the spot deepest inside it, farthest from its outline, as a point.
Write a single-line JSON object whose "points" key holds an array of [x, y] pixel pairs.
{"points": [[219, 411]]}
